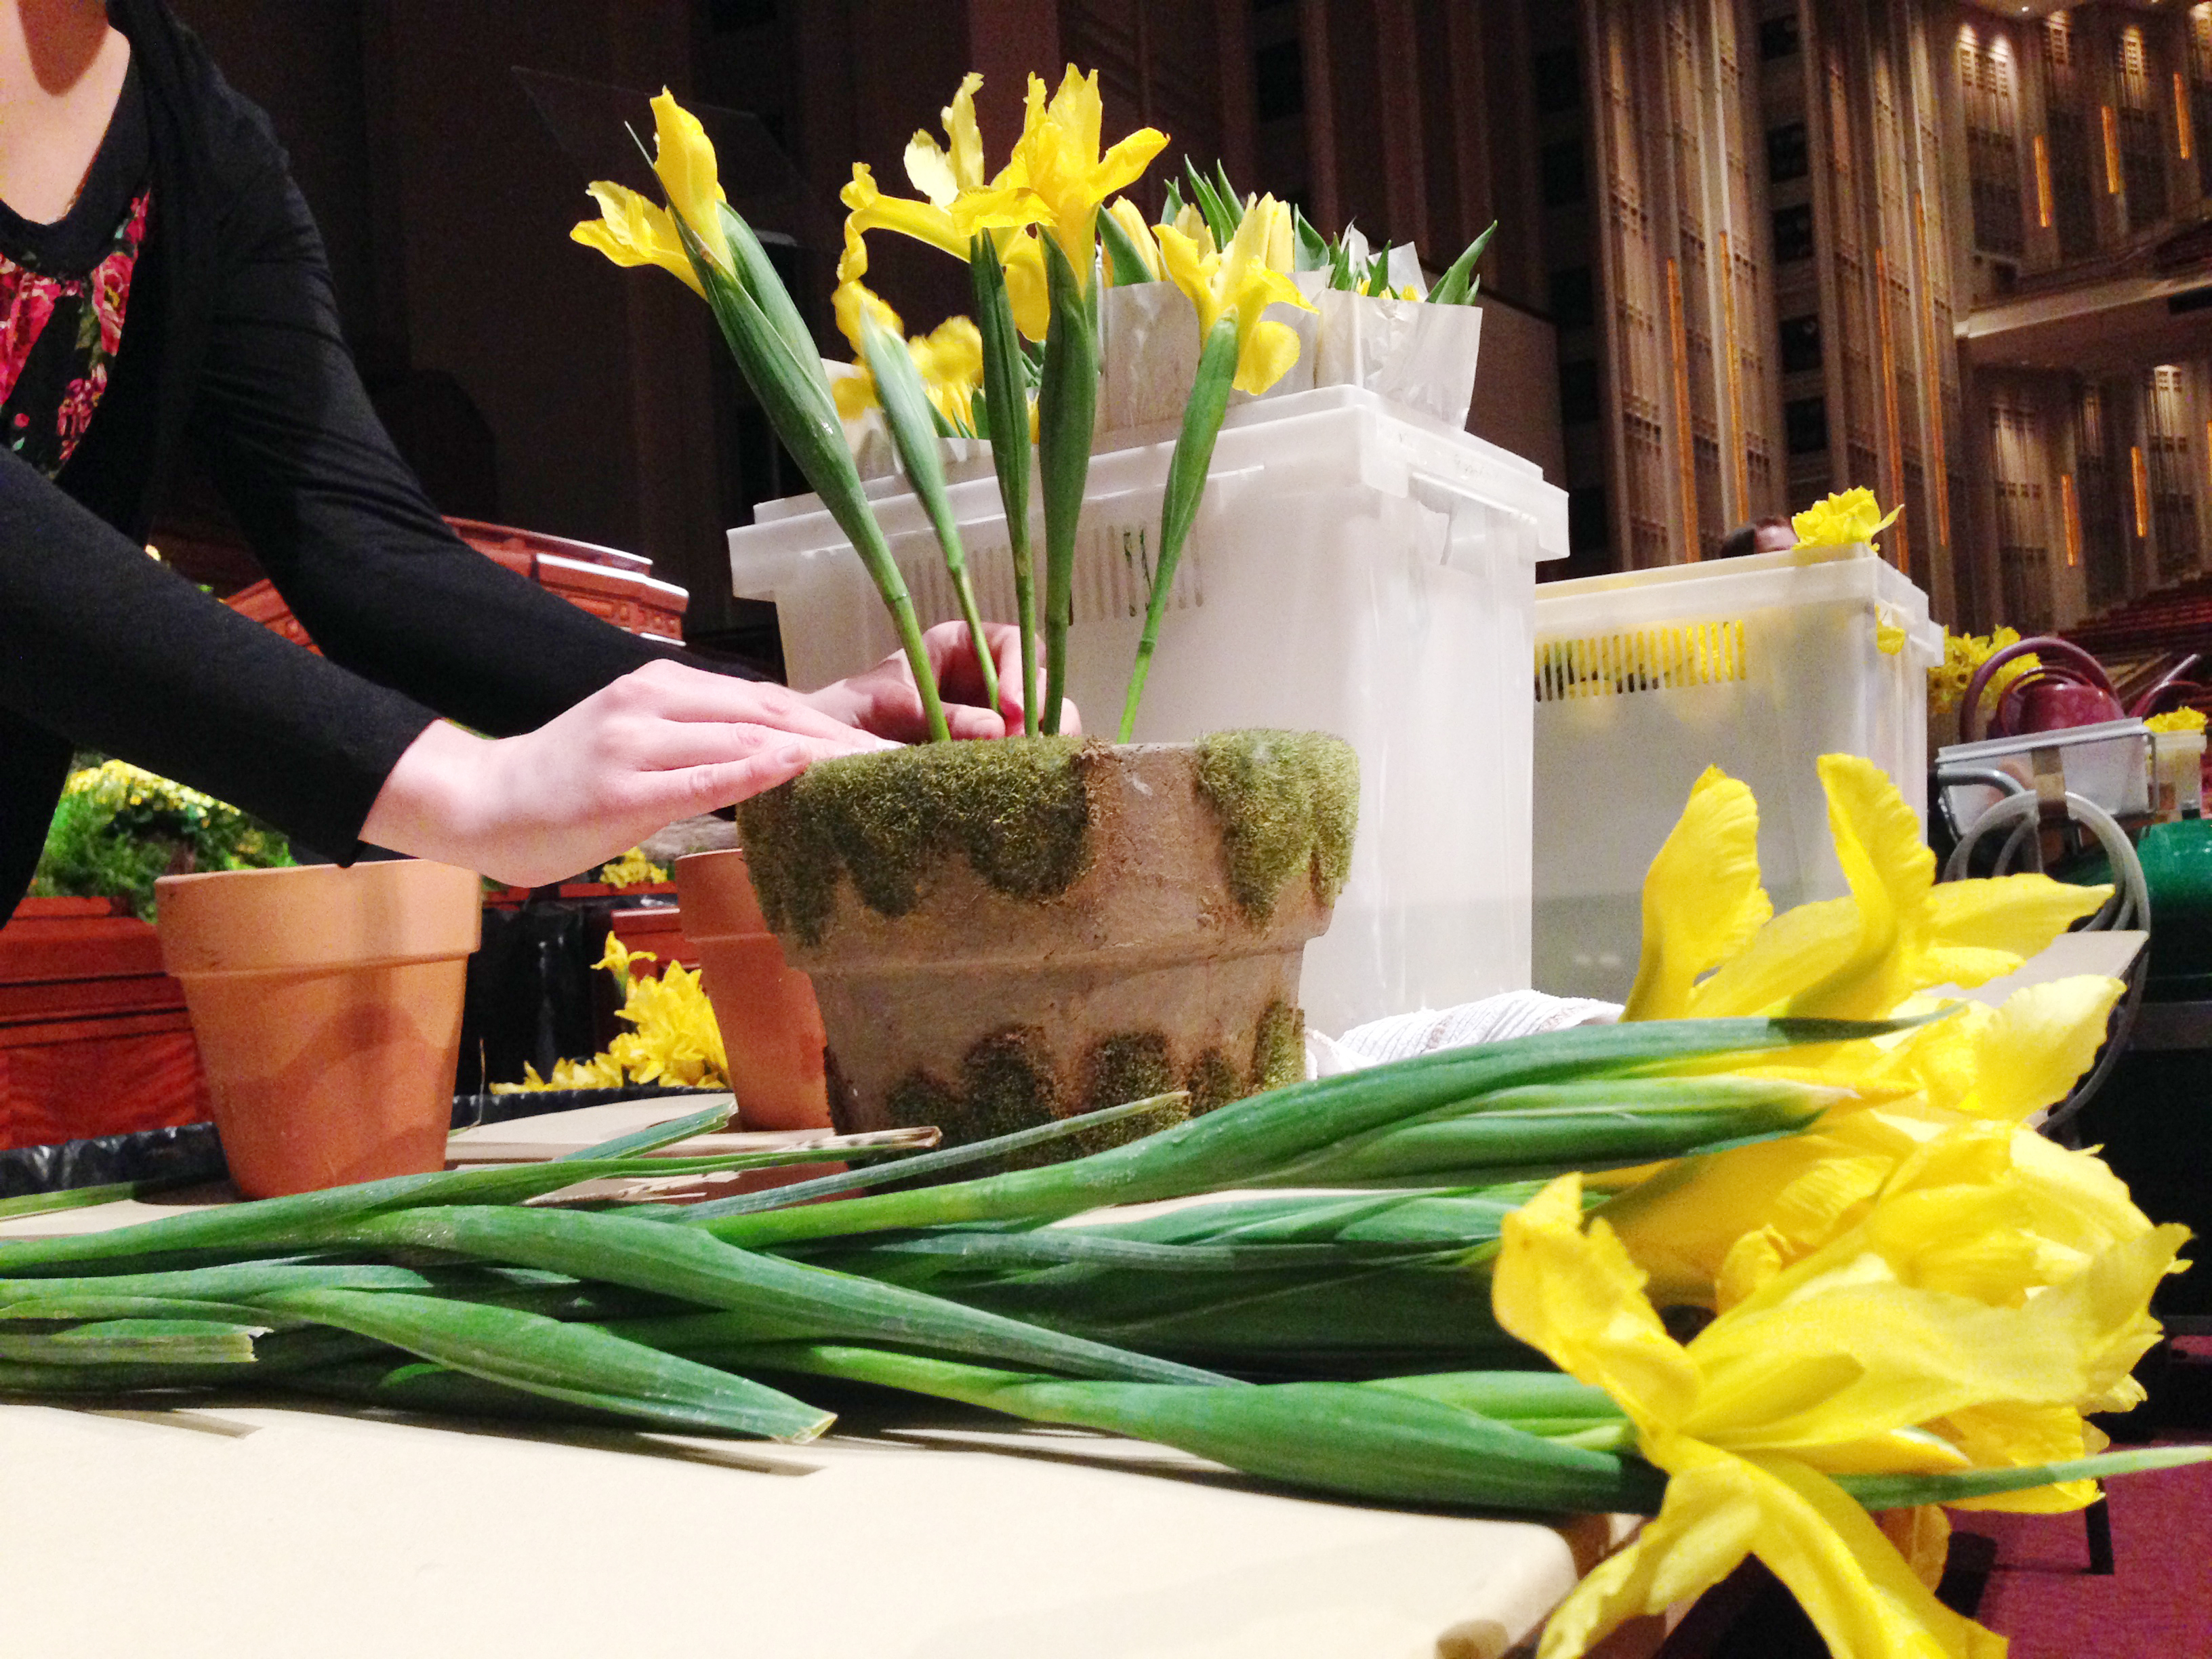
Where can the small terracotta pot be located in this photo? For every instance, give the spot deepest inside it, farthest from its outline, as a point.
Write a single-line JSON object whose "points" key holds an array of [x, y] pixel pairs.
{"points": [[771, 1028], [327, 1005]]}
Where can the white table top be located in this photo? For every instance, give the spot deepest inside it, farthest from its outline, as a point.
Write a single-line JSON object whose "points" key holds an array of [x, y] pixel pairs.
{"points": [[238, 1530]]}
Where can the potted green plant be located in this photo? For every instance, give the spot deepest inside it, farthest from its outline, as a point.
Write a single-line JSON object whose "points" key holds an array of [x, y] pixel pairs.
{"points": [[1004, 933]]}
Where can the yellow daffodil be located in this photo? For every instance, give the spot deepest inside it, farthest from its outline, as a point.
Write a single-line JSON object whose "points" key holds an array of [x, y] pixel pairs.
{"points": [[632, 231], [632, 869], [1843, 520], [1019, 251], [1964, 652], [1853, 958], [2178, 719], [950, 358], [1240, 282], [1131, 218], [1058, 178], [1855, 1359]]}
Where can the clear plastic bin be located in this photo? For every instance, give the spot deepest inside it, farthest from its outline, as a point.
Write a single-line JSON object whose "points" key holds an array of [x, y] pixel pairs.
{"points": [[1759, 665], [2109, 763], [1356, 569]]}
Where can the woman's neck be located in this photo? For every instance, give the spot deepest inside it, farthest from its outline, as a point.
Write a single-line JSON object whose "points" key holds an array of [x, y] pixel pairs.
{"points": [[62, 68]]}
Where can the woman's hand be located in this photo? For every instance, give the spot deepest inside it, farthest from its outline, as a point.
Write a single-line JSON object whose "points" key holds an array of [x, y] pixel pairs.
{"points": [[663, 742], [884, 700]]}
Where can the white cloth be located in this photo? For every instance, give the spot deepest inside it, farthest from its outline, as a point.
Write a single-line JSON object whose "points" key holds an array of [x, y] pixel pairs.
{"points": [[1493, 1020]]}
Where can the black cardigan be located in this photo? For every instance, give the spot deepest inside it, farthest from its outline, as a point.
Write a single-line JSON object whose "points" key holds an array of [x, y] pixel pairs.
{"points": [[232, 342]]}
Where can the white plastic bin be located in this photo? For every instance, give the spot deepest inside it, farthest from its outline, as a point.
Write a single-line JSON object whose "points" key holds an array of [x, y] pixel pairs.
{"points": [[1759, 665], [2108, 762], [1356, 569]]}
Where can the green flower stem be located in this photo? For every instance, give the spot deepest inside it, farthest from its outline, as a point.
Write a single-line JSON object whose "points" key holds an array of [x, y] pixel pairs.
{"points": [[1332, 1437], [786, 377], [910, 414], [1067, 407], [1007, 423], [1193, 453], [1248, 1140]]}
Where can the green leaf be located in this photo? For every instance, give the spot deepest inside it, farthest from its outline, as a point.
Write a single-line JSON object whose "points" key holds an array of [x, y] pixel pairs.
{"points": [[1186, 489], [1006, 420], [1334, 1436], [1312, 247], [579, 1363], [1457, 285], [133, 1341], [704, 1121], [1245, 1141], [73, 1197], [1220, 219], [782, 1299], [1124, 263], [922, 1164], [1068, 406], [910, 414], [1897, 1491]]}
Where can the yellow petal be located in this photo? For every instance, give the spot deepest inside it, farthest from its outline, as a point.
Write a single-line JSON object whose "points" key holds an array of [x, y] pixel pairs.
{"points": [[870, 210], [1861, 1594], [1828, 1354], [1889, 869], [1269, 352], [684, 159], [2005, 1434], [1702, 899], [1577, 1298], [2038, 1044], [854, 393], [1796, 950], [853, 300], [1192, 269], [1979, 930], [1027, 291], [1922, 1535], [632, 231]]}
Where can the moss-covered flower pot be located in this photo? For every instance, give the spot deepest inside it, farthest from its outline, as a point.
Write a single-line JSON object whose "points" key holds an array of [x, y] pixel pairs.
{"points": [[1000, 933]]}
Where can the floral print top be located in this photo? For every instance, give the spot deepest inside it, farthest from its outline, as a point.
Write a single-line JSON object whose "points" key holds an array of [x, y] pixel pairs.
{"points": [[64, 288]]}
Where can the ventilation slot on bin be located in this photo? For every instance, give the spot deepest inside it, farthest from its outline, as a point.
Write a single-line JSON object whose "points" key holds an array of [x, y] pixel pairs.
{"points": [[1659, 658]]}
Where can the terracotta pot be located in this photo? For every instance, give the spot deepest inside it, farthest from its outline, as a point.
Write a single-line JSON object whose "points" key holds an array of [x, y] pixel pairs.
{"points": [[327, 1005], [771, 1026], [1003, 933]]}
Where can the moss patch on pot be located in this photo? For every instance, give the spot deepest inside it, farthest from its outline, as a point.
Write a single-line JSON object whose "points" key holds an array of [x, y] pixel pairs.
{"points": [[1288, 803], [1018, 809], [1278, 1047]]}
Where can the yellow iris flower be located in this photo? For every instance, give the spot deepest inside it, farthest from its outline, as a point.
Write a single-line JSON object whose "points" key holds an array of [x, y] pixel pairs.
{"points": [[1243, 280], [942, 173], [1843, 520], [633, 231], [1704, 912], [1058, 178], [950, 358], [1875, 1354]]}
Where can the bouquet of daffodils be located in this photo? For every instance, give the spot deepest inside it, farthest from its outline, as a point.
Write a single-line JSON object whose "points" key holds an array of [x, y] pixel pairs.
{"points": [[1439, 1281], [1041, 236]]}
